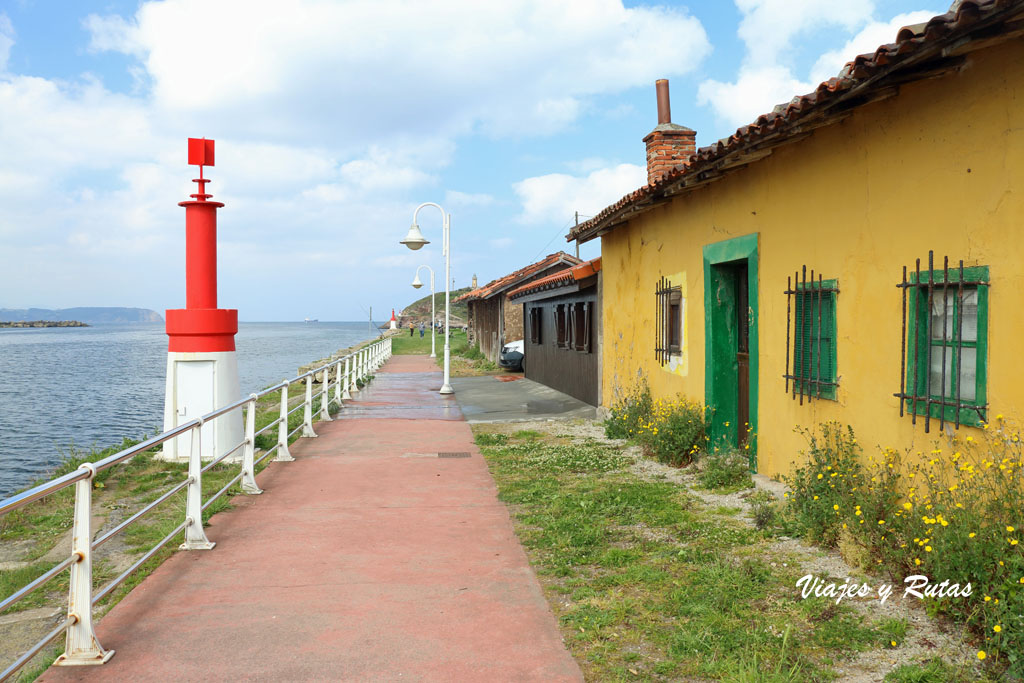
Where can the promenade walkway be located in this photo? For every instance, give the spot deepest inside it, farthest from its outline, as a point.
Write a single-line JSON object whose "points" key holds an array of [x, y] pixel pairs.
{"points": [[369, 558]]}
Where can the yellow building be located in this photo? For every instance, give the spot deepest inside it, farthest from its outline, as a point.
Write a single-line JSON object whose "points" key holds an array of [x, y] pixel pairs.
{"points": [[914, 154]]}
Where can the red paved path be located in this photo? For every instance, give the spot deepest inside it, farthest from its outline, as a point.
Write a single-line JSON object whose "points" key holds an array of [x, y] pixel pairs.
{"points": [[366, 559]]}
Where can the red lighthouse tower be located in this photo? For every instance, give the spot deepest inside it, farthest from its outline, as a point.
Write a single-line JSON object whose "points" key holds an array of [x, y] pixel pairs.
{"points": [[202, 369]]}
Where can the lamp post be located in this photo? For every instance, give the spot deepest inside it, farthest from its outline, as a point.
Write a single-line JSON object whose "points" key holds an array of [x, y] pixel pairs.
{"points": [[433, 327], [415, 240]]}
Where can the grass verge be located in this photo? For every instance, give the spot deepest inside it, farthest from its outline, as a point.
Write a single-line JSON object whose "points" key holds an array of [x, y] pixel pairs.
{"points": [[651, 582]]}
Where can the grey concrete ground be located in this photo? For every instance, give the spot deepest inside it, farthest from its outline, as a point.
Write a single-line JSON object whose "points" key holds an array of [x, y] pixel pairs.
{"points": [[487, 399]]}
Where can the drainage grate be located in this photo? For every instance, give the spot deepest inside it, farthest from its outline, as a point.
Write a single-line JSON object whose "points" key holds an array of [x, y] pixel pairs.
{"points": [[460, 454]]}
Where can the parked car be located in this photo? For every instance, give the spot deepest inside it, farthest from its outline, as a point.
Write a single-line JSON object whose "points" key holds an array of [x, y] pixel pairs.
{"points": [[512, 356]]}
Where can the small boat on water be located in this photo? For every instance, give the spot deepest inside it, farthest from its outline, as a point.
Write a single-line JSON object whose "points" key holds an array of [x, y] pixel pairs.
{"points": [[311, 320]]}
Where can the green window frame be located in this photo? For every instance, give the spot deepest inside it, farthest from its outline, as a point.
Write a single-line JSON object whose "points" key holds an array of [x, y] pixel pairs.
{"points": [[814, 344], [947, 342], [811, 337]]}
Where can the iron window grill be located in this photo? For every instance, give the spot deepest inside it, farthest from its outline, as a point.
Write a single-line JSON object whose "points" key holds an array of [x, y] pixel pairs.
{"points": [[943, 343], [668, 321], [535, 323], [811, 316]]}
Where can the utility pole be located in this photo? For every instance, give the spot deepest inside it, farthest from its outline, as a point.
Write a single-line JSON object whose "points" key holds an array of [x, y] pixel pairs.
{"points": [[369, 325], [577, 240]]}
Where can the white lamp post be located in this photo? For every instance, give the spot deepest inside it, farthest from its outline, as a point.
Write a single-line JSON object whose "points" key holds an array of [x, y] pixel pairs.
{"points": [[415, 240], [433, 328]]}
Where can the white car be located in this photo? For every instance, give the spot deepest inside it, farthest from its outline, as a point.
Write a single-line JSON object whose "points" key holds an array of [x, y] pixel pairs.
{"points": [[512, 355]]}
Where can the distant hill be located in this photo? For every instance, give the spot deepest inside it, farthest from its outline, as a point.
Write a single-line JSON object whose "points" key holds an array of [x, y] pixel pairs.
{"points": [[419, 310], [83, 314]]}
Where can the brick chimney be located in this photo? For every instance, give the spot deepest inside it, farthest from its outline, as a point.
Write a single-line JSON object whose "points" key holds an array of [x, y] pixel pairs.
{"points": [[668, 145]]}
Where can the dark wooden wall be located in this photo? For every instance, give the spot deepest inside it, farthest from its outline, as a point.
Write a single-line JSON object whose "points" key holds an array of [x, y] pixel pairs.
{"points": [[567, 370], [487, 325]]}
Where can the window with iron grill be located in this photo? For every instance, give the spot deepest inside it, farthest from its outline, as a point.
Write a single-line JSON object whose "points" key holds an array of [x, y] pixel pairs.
{"points": [[581, 326], [811, 324], [943, 373], [668, 321], [535, 323]]}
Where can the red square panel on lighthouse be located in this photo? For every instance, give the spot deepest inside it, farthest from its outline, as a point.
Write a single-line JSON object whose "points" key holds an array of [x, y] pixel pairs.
{"points": [[200, 152]]}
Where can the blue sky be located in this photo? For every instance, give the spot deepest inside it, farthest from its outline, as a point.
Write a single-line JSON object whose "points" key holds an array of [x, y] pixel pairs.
{"points": [[334, 120]]}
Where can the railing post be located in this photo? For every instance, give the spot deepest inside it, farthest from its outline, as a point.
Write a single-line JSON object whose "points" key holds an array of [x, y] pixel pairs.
{"points": [[81, 645], [195, 536], [353, 384], [307, 411], [325, 385], [249, 450], [283, 454], [345, 394], [337, 383]]}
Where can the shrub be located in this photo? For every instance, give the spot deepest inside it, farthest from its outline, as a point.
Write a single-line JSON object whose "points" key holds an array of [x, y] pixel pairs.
{"points": [[725, 470], [763, 508], [674, 432], [820, 486], [953, 514], [629, 412]]}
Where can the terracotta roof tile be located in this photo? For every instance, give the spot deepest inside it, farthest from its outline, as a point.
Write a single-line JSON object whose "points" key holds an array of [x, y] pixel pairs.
{"points": [[916, 48], [562, 277], [501, 284]]}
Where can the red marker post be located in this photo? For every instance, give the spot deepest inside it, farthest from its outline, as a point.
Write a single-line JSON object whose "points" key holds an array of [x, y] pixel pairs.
{"points": [[202, 370]]}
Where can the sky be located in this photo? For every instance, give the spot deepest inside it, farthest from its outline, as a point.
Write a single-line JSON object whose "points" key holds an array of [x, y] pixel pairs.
{"points": [[334, 120]]}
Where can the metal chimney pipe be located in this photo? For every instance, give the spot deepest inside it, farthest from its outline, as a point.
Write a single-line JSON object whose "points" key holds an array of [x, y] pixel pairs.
{"points": [[664, 109]]}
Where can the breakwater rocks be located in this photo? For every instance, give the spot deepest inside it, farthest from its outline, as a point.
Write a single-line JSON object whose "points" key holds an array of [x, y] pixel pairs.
{"points": [[42, 323], [341, 353]]}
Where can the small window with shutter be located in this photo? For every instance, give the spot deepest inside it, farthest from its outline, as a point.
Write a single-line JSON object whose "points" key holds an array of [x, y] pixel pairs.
{"points": [[811, 309], [535, 323], [581, 326], [561, 328]]}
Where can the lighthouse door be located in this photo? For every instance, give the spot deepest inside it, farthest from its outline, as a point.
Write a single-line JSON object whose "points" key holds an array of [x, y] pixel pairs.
{"points": [[194, 389]]}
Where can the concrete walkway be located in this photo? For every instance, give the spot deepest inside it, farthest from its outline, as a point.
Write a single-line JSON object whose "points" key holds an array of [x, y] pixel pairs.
{"points": [[369, 558]]}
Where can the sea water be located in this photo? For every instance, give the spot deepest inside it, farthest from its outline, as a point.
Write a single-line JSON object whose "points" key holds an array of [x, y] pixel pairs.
{"points": [[92, 386]]}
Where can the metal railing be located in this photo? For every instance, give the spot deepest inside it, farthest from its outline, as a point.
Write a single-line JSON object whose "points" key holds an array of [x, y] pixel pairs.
{"points": [[82, 646]]}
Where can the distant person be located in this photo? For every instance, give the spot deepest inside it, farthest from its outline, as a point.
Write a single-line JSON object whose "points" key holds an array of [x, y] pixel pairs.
{"points": [[411, 329], [421, 330]]}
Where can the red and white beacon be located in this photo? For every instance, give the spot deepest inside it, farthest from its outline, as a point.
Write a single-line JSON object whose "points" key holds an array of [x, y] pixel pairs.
{"points": [[202, 369]]}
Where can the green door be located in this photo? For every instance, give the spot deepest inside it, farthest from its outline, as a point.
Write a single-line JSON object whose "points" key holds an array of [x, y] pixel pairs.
{"points": [[730, 338]]}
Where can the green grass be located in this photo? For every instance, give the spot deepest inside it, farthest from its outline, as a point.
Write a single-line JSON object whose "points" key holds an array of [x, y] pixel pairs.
{"points": [[466, 360], [649, 584]]}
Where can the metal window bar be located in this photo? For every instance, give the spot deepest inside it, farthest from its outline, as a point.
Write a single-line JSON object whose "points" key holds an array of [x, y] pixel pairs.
{"points": [[802, 297], [663, 319], [920, 290]]}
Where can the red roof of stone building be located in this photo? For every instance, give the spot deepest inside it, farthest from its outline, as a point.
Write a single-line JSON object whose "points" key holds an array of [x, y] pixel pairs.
{"points": [[561, 278], [920, 51], [503, 283]]}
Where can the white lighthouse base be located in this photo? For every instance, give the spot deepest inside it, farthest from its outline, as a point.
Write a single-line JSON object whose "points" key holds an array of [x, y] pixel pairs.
{"points": [[394, 324], [197, 384]]}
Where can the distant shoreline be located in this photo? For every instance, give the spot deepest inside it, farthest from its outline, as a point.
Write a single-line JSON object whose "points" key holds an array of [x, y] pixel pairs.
{"points": [[42, 323]]}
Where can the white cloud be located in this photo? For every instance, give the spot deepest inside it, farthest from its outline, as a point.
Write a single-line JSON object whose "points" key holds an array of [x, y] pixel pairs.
{"points": [[769, 29], [769, 26], [756, 91], [368, 66], [867, 40], [329, 116], [554, 198]]}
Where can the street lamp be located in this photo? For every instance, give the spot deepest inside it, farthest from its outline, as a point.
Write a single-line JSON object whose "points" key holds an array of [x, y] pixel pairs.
{"points": [[415, 240], [417, 284]]}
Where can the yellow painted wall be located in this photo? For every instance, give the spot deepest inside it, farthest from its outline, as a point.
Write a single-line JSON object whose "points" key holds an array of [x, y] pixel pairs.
{"points": [[940, 166]]}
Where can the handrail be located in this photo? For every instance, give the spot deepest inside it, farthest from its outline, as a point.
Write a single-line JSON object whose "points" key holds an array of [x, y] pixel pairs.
{"points": [[82, 644]]}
